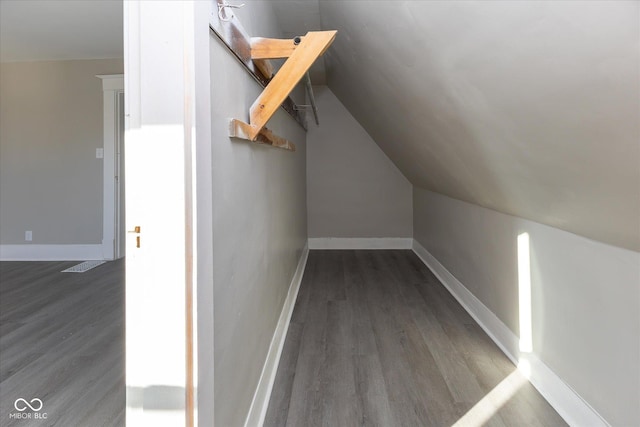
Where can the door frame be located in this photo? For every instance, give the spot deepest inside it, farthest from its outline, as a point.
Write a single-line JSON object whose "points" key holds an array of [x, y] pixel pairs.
{"points": [[112, 223]]}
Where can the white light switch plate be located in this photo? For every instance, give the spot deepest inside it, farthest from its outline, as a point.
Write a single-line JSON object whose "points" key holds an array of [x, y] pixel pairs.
{"points": [[99, 153]]}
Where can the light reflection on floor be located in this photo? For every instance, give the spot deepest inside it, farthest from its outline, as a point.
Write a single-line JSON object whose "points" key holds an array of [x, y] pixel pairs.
{"points": [[490, 404]]}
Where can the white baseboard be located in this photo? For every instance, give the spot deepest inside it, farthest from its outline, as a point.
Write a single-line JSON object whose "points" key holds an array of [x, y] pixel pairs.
{"points": [[50, 252], [260, 403], [570, 406], [565, 400], [360, 243], [498, 331]]}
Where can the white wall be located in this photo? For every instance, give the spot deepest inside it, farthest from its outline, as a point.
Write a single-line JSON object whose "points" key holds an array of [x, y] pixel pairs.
{"points": [[354, 190], [585, 295], [259, 227], [50, 179]]}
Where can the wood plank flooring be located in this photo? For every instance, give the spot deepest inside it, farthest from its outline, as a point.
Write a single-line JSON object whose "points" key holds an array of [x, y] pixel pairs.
{"points": [[62, 341], [376, 340]]}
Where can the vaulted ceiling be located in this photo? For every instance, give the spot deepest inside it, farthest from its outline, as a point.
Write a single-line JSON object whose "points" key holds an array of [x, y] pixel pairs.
{"points": [[529, 108]]}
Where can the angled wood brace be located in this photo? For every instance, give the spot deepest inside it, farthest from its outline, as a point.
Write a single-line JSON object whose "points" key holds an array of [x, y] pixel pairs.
{"points": [[301, 53]]}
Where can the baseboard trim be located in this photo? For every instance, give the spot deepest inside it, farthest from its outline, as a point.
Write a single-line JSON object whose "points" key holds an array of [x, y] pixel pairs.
{"points": [[50, 252], [360, 243], [260, 403], [565, 400], [498, 331], [568, 403]]}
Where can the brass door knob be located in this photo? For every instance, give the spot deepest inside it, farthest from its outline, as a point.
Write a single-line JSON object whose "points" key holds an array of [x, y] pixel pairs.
{"points": [[136, 230]]}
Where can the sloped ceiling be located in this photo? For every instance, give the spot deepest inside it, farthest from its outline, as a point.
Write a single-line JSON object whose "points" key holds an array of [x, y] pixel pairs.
{"points": [[528, 108]]}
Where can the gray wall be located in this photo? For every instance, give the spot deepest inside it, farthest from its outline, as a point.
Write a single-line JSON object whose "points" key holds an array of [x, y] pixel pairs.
{"points": [[259, 226], [50, 126], [354, 190], [585, 295]]}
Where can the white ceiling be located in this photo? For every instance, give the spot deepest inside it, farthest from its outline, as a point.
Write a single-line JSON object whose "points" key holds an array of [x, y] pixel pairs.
{"points": [[58, 30]]}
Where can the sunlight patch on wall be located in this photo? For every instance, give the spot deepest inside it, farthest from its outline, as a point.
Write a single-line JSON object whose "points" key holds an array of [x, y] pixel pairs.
{"points": [[524, 294]]}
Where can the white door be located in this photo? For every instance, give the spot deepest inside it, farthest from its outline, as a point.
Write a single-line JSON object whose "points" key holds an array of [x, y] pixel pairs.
{"points": [[157, 140]]}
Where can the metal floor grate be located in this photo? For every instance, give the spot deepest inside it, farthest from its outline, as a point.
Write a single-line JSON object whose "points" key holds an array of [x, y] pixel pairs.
{"points": [[83, 266]]}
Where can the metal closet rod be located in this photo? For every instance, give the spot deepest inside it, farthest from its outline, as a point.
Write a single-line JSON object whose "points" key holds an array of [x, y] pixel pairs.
{"points": [[312, 99]]}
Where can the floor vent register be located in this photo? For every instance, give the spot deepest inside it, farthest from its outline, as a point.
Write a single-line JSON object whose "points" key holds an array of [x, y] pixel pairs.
{"points": [[83, 266]]}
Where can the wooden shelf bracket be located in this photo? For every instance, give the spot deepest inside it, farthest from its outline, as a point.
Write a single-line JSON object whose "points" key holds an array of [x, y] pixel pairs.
{"points": [[301, 53]]}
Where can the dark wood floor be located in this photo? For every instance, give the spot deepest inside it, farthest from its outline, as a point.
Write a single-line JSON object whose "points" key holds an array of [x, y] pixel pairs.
{"points": [[376, 340], [62, 341]]}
